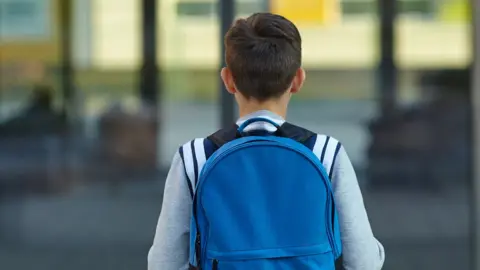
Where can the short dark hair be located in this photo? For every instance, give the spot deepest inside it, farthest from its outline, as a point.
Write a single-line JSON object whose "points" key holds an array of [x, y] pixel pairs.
{"points": [[263, 52]]}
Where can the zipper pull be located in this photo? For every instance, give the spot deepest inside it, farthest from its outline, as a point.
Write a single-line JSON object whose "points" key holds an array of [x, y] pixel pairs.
{"points": [[215, 265], [198, 249], [197, 241]]}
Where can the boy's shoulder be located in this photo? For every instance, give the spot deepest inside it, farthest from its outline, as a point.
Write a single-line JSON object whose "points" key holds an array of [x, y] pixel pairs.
{"points": [[200, 149], [317, 141], [195, 153]]}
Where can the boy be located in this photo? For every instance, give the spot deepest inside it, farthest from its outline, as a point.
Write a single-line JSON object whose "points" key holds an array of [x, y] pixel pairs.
{"points": [[263, 56]]}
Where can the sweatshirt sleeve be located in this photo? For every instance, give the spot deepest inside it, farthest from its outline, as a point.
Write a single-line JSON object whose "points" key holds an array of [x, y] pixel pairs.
{"points": [[361, 250], [170, 249]]}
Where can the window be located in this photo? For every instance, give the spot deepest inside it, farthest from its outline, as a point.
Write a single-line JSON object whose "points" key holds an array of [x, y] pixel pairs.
{"points": [[197, 8], [405, 7], [208, 9], [24, 19], [248, 7], [19, 9]]}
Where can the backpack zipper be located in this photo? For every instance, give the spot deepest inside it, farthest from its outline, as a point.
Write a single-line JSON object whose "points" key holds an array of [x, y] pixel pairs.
{"points": [[198, 248], [215, 265], [330, 229]]}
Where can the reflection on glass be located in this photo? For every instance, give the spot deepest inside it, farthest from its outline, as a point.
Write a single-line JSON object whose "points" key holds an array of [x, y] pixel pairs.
{"points": [[419, 157], [85, 192], [70, 186]]}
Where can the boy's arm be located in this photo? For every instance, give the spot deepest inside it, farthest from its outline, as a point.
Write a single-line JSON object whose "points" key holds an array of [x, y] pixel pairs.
{"points": [[170, 249], [361, 251]]}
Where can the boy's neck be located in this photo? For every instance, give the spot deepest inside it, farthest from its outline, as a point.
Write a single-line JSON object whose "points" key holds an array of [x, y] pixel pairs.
{"points": [[273, 106]]}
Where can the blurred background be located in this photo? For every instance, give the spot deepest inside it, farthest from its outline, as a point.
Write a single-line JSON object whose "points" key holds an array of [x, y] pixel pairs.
{"points": [[97, 95]]}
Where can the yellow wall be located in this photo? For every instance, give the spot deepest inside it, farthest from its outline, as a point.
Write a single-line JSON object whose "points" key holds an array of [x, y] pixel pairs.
{"points": [[455, 11], [308, 11]]}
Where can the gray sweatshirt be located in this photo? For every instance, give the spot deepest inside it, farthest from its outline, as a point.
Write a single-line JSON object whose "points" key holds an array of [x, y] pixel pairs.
{"points": [[170, 249]]}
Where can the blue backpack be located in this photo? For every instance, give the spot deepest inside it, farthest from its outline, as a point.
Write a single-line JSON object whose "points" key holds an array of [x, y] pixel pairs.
{"points": [[263, 201]]}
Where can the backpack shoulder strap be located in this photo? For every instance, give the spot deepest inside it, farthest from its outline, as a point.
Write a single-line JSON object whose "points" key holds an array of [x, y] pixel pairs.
{"points": [[218, 139], [223, 136], [193, 158], [299, 134], [326, 148]]}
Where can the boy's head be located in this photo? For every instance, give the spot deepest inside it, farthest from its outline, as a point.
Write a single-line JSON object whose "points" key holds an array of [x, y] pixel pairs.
{"points": [[264, 58]]}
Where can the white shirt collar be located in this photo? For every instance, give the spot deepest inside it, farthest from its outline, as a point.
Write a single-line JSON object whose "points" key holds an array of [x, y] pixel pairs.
{"points": [[262, 125]]}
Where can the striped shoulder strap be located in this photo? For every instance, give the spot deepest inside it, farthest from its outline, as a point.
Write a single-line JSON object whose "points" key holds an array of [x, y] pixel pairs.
{"points": [[326, 149], [195, 153], [194, 157]]}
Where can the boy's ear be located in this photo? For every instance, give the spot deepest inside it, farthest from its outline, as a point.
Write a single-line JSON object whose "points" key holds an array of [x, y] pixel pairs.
{"points": [[227, 78], [298, 81]]}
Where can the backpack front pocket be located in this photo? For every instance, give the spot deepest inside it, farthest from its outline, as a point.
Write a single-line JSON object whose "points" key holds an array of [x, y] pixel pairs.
{"points": [[323, 261], [303, 258]]}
